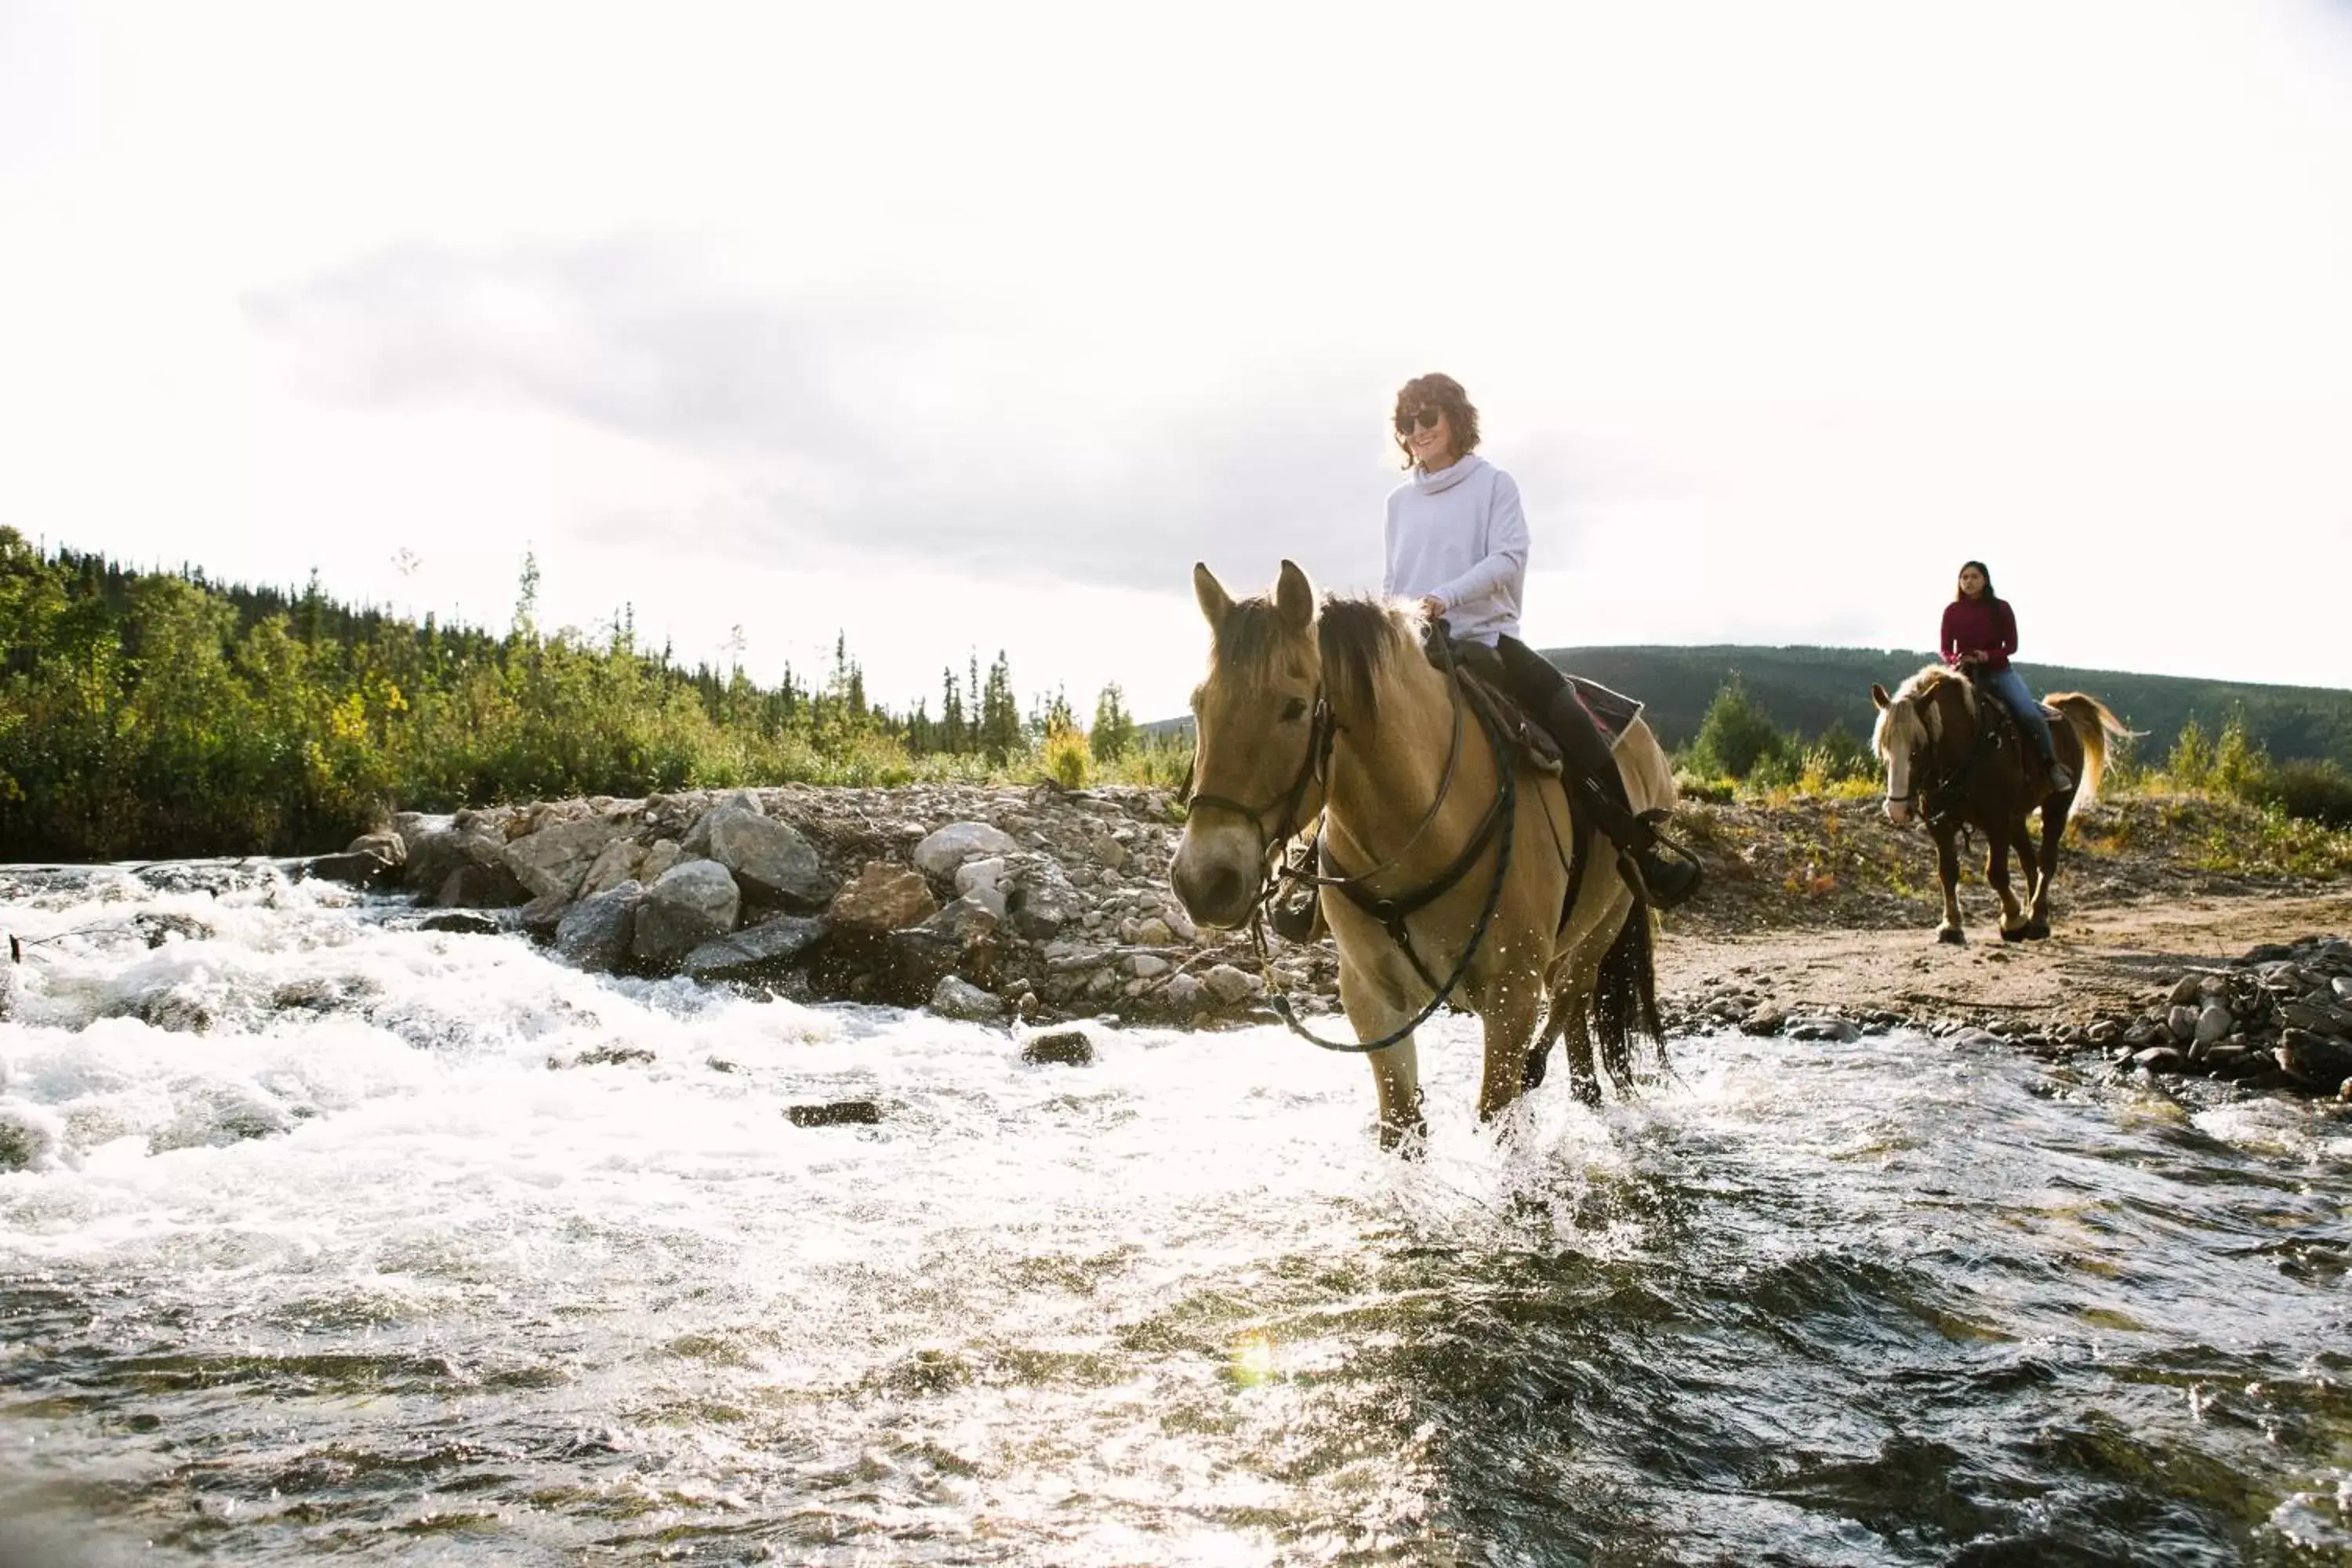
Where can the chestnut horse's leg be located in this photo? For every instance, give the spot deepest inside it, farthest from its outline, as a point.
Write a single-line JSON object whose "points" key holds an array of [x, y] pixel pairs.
{"points": [[1997, 845], [1947, 870], [2054, 813], [1396, 1071]]}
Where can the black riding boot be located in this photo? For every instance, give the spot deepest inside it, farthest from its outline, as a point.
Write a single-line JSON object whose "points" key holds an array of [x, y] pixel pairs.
{"points": [[1556, 705]]}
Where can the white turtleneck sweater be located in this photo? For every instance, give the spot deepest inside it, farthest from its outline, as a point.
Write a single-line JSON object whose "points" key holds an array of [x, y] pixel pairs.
{"points": [[1458, 535]]}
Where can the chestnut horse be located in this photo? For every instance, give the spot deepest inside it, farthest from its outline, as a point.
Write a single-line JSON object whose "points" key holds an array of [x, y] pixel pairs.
{"points": [[1336, 708], [1956, 770]]}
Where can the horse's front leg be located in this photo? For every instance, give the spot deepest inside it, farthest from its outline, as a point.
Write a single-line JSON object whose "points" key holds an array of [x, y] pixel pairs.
{"points": [[1997, 845], [1947, 871], [1372, 1011]]}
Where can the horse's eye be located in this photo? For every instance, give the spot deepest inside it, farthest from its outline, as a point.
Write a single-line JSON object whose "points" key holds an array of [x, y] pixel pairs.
{"points": [[1294, 711]]}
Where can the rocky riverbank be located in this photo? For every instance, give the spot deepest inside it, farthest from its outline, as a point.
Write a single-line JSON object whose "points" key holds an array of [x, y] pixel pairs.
{"points": [[1033, 903], [2274, 1016]]}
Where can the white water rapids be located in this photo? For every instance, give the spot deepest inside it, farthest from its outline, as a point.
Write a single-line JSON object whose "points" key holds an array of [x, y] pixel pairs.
{"points": [[317, 1236]]}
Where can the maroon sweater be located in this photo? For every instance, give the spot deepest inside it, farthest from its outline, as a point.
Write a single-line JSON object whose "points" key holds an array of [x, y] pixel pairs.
{"points": [[1979, 625]]}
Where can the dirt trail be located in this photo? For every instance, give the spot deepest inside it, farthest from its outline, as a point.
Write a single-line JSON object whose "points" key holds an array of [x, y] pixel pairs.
{"points": [[2102, 960]]}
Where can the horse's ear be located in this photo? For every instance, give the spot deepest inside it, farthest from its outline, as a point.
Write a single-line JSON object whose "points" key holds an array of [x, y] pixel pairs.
{"points": [[1878, 695], [1216, 602], [1294, 596]]}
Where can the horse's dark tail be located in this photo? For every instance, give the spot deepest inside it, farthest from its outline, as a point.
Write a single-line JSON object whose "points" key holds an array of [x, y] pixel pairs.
{"points": [[1625, 1000]]}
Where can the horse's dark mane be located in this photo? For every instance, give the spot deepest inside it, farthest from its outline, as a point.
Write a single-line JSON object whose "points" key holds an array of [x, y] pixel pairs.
{"points": [[1358, 636]]}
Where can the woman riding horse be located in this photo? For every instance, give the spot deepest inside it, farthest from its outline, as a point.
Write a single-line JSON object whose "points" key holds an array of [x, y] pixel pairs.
{"points": [[1457, 542], [1980, 634]]}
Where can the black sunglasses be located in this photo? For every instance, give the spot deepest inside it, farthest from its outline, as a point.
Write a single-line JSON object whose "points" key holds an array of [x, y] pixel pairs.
{"points": [[1427, 419]]}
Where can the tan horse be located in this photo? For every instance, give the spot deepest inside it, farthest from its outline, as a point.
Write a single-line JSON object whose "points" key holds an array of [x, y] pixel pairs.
{"points": [[1405, 799], [1944, 763]]}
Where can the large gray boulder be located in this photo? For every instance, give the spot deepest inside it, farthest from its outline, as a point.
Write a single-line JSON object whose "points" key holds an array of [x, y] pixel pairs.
{"points": [[939, 854], [620, 861], [956, 997], [764, 949], [984, 881], [383, 844], [769, 859], [554, 859], [473, 885], [961, 937], [437, 848], [689, 905], [598, 931], [1043, 898], [698, 837], [664, 853]]}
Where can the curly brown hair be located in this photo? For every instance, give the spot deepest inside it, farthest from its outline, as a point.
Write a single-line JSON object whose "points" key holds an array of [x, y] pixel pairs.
{"points": [[1441, 392]]}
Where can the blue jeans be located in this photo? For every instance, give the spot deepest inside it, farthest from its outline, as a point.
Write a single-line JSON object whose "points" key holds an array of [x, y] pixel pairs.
{"points": [[2009, 687]]}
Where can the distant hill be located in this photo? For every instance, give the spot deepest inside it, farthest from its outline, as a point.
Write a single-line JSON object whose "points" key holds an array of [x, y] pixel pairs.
{"points": [[1809, 689]]}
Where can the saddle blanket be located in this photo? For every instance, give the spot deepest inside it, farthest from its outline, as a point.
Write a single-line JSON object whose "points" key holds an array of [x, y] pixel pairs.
{"points": [[1612, 711]]}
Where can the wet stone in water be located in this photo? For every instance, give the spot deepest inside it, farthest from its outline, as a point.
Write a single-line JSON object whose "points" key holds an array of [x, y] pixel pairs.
{"points": [[606, 1056], [462, 922], [836, 1114], [1063, 1048]]}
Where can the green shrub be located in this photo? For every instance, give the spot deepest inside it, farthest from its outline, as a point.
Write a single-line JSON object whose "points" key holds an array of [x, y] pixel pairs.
{"points": [[1736, 737], [1160, 761], [1689, 786], [2240, 764], [2191, 765], [1067, 762], [2311, 792]]}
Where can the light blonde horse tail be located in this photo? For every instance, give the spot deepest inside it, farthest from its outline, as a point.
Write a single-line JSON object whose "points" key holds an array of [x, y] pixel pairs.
{"points": [[2100, 732]]}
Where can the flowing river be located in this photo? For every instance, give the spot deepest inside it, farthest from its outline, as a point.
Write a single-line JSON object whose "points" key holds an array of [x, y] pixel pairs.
{"points": [[321, 1235]]}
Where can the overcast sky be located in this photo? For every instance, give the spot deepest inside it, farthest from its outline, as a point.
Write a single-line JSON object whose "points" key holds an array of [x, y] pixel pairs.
{"points": [[975, 326]]}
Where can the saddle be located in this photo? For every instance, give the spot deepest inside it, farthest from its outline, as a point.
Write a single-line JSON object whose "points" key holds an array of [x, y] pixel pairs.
{"points": [[1999, 728], [1613, 713], [1481, 672]]}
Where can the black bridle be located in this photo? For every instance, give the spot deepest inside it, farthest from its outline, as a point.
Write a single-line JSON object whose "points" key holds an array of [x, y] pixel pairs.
{"points": [[1321, 732], [1941, 796]]}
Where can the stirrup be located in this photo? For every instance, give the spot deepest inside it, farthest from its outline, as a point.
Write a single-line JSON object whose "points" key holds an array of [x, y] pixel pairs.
{"points": [[1669, 852]]}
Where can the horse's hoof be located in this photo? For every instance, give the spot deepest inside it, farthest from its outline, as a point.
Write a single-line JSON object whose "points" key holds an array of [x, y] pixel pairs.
{"points": [[1588, 1092], [2037, 931], [1951, 936], [2014, 933]]}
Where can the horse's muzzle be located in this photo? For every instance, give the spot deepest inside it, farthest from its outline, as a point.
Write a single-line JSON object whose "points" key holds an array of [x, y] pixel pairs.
{"points": [[1214, 879]]}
